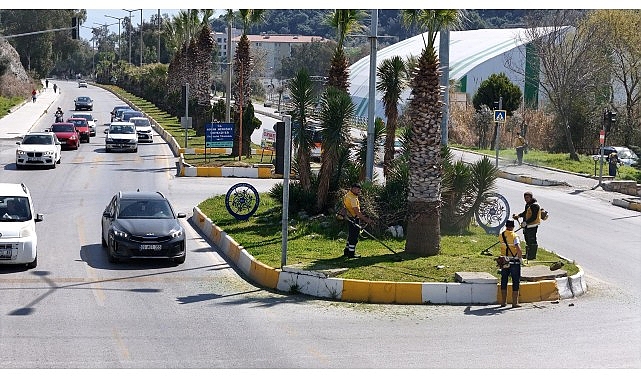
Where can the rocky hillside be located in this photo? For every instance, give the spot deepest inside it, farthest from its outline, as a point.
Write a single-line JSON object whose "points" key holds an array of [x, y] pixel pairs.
{"points": [[14, 80]]}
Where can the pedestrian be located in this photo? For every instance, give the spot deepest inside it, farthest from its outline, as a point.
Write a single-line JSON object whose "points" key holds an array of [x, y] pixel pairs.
{"points": [[511, 248], [33, 95], [353, 217], [520, 147], [55, 87], [530, 220], [613, 164], [46, 83]]}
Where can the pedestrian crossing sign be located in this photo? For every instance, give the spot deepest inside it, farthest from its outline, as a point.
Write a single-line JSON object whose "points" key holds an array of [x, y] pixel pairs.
{"points": [[499, 116]]}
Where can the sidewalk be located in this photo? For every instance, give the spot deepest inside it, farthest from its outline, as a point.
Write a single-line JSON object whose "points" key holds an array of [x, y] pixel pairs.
{"points": [[23, 117]]}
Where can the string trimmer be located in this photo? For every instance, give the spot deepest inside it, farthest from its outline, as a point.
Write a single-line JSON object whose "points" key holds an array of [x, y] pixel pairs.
{"points": [[370, 235]]}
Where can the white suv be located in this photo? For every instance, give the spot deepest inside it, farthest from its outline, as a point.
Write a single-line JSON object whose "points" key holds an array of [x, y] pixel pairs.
{"points": [[121, 136], [143, 128], [18, 239]]}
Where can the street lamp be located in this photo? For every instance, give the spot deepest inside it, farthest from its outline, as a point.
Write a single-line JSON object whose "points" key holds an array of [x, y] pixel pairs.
{"points": [[119, 39], [130, 26]]}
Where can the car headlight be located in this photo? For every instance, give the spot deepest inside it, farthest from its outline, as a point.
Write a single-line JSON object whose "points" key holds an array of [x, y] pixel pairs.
{"points": [[109, 140], [19, 152], [176, 233], [73, 137], [49, 153], [26, 232], [121, 234]]}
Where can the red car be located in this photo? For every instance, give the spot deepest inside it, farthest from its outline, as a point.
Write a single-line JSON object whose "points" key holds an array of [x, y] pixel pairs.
{"points": [[82, 126], [67, 134]]}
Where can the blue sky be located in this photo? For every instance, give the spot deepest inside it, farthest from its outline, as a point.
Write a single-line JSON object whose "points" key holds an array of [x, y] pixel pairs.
{"points": [[97, 16]]}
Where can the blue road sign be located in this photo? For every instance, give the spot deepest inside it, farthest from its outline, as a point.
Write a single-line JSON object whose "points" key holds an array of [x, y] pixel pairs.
{"points": [[499, 116], [219, 135]]}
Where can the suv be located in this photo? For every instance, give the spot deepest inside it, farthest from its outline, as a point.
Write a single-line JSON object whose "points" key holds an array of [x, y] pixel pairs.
{"points": [[115, 111], [18, 239], [142, 224], [143, 128], [121, 136]]}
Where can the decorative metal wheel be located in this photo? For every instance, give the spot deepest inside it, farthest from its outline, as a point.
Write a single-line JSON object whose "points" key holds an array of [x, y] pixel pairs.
{"points": [[242, 201], [493, 212]]}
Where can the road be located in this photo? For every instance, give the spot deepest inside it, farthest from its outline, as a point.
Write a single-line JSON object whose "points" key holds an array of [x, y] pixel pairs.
{"points": [[76, 310]]}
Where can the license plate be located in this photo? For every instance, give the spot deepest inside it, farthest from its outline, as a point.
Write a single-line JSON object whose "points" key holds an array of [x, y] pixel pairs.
{"points": [[150, 247], [32, 159], [5, 253]]}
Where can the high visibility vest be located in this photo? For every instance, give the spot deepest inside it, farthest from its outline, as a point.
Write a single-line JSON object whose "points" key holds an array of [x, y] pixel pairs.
{"points": [[510, 237], [351, 203]]}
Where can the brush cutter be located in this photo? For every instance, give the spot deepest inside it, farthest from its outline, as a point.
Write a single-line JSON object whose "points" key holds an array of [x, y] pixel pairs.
{"points": [[370, 235], [486, 251]]}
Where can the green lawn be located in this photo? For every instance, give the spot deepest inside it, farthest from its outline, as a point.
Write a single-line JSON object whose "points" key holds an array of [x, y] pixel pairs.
{"points": [[317, 243], [7, 103]]}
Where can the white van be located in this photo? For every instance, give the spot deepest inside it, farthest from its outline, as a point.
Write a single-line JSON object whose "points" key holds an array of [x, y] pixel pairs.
{"points": [[18, 239]]}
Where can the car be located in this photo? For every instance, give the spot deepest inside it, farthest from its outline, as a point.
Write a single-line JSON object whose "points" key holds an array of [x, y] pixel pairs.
{"points": [[115, 113], [82, 126], [90, 120], [38, 149], [143, 128], [121, 136], [83, 103], [626, 155], [142, 224], [82, 83], [18, 238], [67, 135], [128, 114]]}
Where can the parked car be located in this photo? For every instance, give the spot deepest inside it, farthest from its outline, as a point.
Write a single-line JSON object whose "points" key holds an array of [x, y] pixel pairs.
{"points": [[82, 83], [143, 128], [142, 224], [128, 114], [90, 120], [18, 238], [83, 103], [67, 135], [116, 113], [121, 136], [38, 149], [82, 126], [626, 156]]}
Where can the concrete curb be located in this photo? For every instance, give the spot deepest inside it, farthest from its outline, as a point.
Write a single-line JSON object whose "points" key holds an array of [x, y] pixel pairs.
{"points": [[630, 204], [530, 180], [293, 280]]}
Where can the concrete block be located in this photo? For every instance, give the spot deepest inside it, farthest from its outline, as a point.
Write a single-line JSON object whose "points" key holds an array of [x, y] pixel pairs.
{"points": [[549, 291], [409, 293], [459, 294], [330, 288], [475, 278], [244, 261], [355, 291], [305, 284], [484, 294], [434, 293], [564, 288], [382, 292]]}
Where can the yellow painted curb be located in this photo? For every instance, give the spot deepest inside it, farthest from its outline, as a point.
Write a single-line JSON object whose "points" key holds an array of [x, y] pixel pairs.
{"points": [[410, 293], [355, 291], [382, 292]]}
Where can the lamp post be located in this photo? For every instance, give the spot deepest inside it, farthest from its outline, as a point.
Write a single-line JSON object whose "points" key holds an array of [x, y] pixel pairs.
{"points": [[119, 39], [141, 42], [130, 26]]}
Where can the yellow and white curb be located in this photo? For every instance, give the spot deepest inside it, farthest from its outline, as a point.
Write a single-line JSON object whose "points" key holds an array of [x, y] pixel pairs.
{"points": [[627, 203], [529, 180], [317, 284]]}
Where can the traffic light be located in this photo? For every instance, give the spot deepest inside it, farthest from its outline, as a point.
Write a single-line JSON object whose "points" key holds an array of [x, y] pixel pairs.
{"points": [[74, 28], [613, 116], [609, 118]]}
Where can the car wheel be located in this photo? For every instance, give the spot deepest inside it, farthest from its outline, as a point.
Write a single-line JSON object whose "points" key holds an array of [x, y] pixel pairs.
{"points": [[136, 150], [102, 238], [180, 260], [107, 150], [34, 263], [18, 166]]}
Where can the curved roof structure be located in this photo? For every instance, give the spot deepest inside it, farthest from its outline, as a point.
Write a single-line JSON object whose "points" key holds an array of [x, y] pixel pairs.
{"points": [[474, 55]]}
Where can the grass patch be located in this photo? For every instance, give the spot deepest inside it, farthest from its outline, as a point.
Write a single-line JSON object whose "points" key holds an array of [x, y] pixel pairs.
{"points": [[7, 104], [317, 244]]}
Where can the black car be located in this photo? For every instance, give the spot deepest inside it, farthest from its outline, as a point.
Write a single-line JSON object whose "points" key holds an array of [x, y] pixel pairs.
{"points": [[142, 224], [128, 114], [116, 110], [83, 103]]}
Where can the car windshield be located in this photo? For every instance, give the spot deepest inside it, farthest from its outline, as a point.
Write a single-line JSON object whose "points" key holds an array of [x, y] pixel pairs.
{"points": [[83, 99], [128, 115], [62, 128], [141, 122], [120, 111], [122, 129], [87, 117], [37, 140], [145, 209], [14, 209], [626, 153], [79, 123]]}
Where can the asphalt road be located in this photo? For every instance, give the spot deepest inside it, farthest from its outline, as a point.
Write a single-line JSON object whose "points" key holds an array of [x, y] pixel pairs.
{"points": [[76, 310]]}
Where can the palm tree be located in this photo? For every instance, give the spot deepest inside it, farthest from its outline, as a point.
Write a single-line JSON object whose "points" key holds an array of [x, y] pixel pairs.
{"points": [[301, 89], [425, 112], [336, 111], [345, 21], [184, 26], [392, 80]]}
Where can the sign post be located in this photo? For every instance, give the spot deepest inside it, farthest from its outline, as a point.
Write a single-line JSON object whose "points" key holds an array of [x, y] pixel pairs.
{"points": [[499, 117], [267, 142]]}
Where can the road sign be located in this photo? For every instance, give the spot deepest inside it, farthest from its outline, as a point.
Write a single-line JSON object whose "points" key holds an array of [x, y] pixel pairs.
{"points": [[219, 135], [185, 122], [499, 116], [602, 137], [268, 140]]}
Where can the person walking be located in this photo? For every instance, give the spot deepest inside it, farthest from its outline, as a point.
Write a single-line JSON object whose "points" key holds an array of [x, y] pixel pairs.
{"points": [[520, 147], [354, 217], [46, 83], [511, 248], [613, 164], [530, 220], [33, 95], [55, 87]]}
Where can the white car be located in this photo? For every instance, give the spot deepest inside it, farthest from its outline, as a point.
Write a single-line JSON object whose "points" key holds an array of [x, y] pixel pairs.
{"points": [[143, 128], [82, 83], [18, 239], [90, 120], [38, 149], [121, 136]]}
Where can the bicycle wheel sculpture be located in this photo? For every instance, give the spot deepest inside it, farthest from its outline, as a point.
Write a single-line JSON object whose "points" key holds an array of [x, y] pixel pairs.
{"points": [[242, 201], [493, 212]]}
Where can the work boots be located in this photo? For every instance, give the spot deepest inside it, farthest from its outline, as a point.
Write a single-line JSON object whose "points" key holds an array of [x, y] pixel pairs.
{"points": [[503, 297], [515, 299], [530, 251]]}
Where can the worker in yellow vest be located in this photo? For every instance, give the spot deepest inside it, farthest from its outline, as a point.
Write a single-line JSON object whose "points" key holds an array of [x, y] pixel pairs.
{"points": [[353, 218], [511, 248]]}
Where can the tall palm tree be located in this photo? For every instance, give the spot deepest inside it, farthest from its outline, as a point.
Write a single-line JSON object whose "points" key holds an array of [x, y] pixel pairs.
{"points": [[301, 89], [392, 80], [184, 26], [425, 113], [336, 111], [345, 21]]}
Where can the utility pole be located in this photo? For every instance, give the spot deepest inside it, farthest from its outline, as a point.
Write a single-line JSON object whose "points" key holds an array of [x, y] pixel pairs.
{"points": [[444, 59], [371, 107], [130, 26], [119, 39], [142, 48], [229, 73], [158, 52]]}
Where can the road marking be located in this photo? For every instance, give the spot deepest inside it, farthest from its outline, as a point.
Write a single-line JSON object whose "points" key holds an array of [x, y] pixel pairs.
{"points": [[120, 345]]}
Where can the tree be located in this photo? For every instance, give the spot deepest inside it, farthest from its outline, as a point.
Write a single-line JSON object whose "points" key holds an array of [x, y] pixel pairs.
{"points": [[345, 21], [337, 109], [392, 80], [301, 89], [425, 113], [572, 66]]}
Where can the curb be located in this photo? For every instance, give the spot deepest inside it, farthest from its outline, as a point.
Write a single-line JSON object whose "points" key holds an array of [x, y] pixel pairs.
{"points": [[292, 280], [530, 180], [630, 204]]}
